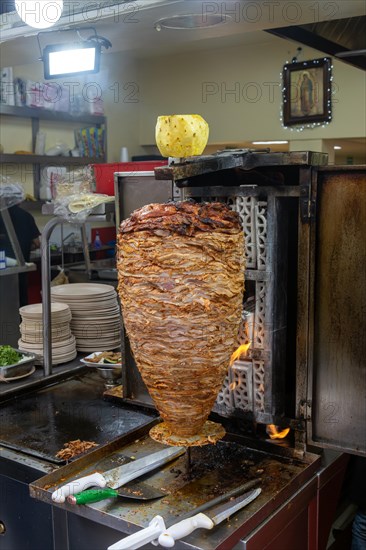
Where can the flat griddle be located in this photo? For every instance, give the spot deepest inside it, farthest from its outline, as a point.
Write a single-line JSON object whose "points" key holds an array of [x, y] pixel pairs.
{"points": [[211, 471], [41, 422]]}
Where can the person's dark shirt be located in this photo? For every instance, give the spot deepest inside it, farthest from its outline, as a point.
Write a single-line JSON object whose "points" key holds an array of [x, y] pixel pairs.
{"points": [[27, 231], [25, 228], [357, 486]]}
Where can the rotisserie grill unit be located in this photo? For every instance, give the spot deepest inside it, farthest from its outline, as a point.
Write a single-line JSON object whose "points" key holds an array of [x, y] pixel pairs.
{"points": [[283, 202]]}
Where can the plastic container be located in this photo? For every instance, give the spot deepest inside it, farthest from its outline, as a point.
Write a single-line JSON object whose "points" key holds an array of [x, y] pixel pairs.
{"points": [[104, 173], [40, 143], [2, 259], [97, 241]]}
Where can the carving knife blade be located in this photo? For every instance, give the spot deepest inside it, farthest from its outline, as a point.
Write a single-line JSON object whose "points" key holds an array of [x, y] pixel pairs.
{"points": [[116, 477]]}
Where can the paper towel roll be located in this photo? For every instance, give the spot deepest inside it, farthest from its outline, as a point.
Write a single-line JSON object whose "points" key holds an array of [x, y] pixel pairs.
{"points": [[124, 154]]}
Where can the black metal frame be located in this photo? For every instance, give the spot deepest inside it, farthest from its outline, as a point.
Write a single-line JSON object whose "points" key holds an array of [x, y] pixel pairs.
{"points": [[318, 98]]}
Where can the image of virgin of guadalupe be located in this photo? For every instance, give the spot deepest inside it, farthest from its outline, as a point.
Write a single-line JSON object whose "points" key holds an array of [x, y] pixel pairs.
{"points": [[306, 94]]}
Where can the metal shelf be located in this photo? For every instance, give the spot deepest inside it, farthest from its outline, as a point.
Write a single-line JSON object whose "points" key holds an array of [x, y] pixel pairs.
{"points": [[49, 160], [17, 269], [45, 114], [38, 161], [98, 213]]}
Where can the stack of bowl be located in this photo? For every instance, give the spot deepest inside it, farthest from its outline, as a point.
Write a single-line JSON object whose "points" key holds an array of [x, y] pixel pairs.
{"points": [[96, 319], [62, 340]]}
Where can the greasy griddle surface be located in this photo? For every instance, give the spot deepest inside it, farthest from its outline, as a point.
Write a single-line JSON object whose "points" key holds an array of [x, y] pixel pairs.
{"points": [[214, 470], [41, 422]]}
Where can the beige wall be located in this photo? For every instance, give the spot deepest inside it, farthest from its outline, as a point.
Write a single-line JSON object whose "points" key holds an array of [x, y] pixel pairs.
{"points": [[122, 104], [182, 84]]}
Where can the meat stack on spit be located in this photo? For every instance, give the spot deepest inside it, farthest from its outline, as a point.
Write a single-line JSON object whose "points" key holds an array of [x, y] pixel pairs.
{"points": [[181, 282]]}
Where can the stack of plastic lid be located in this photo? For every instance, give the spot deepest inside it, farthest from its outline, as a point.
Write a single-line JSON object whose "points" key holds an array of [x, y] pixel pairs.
{"points": [[63, 342], [96, 318]]}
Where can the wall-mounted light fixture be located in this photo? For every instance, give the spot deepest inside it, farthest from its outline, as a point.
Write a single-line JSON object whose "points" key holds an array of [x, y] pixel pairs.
{"points": [[40, 14], [73, 58], [70, 59]]}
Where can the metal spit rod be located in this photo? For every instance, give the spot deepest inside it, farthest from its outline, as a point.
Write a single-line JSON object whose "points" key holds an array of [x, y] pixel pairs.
{"points": [[46, 286], [188, 457]]}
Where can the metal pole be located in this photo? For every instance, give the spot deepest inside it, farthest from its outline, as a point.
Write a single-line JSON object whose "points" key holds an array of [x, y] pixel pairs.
{"points": [[84, 241], [46, 294]]}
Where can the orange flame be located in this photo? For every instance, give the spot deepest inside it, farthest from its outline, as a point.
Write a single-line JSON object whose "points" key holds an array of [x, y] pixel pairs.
{"points": [[273, 432], [242, 350]]}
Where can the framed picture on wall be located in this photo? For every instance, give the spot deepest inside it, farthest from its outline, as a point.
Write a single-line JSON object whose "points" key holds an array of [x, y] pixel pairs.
{"points": [[307, 92]]}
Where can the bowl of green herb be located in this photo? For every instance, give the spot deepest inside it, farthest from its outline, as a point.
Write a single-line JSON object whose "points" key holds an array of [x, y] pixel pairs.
{"points": [[15, 363]]}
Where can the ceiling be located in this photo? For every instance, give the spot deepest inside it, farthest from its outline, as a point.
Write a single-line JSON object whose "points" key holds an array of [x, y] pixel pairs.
{"points": [[131, 25], [342, 38]]}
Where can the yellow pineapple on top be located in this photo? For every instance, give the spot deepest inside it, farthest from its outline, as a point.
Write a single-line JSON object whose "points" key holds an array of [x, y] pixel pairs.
{"points": [[181, 135]]}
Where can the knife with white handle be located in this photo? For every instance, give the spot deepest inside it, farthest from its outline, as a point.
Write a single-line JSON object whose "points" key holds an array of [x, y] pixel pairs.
{"points": [[116, 477], [202, 521], [157, 525], [142, 537]]}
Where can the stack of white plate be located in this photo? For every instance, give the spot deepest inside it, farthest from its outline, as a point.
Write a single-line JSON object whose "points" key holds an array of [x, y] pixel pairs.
{"points": [[63, 342], [95, 314]]}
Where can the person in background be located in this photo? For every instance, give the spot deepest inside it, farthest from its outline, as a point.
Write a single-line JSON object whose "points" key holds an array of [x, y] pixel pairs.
{"points": [[28, 236], [357, 493]]}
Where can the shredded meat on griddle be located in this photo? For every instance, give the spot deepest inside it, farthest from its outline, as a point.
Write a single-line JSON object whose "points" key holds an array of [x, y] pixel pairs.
{"points": [[74, 448]]}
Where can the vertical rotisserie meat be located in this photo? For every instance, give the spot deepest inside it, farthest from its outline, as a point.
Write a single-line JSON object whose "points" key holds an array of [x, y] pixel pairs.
{"points": [[181, 282]]}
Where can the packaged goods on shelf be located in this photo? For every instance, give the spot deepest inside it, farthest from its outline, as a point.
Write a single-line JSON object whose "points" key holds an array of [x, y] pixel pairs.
{"points": [[91, 141], [7, 95]]}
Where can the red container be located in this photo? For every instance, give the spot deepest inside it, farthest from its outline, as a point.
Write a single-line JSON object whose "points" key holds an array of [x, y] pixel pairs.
{"points": [[104, 173]]}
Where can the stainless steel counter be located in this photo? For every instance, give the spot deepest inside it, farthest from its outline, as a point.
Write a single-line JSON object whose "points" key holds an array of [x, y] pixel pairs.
{"points": [[37, 380], [37, 417]]}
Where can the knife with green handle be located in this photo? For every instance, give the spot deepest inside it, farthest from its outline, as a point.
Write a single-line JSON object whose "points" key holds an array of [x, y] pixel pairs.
{"points": [[92, 495], [133, 490], [116, 477]]}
